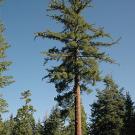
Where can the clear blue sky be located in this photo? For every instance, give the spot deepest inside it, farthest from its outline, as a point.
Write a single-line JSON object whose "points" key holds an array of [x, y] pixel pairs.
{"points": [[22, 18]]}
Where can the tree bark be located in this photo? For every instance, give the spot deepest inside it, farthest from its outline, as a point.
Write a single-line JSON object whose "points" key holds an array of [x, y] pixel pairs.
{"points": [[78, 129]]}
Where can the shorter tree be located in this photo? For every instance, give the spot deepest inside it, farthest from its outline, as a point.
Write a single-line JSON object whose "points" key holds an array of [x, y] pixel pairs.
{"points": [[129, 119], [54, 125], [9, 126], [24, 120], [39, 129], [3, 109], [108, 111], [4, 80], [3, 105], [70, 128]]}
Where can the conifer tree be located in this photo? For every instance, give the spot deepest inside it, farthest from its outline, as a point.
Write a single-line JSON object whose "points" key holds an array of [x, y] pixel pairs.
{"points": [[129, 118], [107, 116], [2, 127], [39, 129], [70, 129], [4, 80], [3, 109], [9, 126], [3, 105], [78, 57], [24, 120], [54, 124]]}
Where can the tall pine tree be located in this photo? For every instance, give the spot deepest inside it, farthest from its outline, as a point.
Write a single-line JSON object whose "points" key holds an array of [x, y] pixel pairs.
{"points": [[78, 58]]}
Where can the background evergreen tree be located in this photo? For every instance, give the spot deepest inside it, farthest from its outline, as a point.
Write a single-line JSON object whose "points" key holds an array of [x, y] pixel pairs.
{"points": [[24, 120], [39, 129], [70, 128], [129, 121], [9, 126], [54, 125], [107, 116], [78, 57], [4, 80], [3, 109], [2, 128], [3, 105]]}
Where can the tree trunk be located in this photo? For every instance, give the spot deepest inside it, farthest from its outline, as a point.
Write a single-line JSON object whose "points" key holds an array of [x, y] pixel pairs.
{"points": [[78, 130]]}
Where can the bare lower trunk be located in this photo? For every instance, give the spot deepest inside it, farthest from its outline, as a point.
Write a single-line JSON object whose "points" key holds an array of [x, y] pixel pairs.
{"points": [[78, 130]]}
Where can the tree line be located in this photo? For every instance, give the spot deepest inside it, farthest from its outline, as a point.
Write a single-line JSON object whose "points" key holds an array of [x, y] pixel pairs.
{"points": [[113, 113], [77, 69]]}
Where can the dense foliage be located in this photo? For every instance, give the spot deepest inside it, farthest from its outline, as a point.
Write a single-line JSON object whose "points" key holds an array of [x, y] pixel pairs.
{"points": [[79, 56], [129, 119], [80, 53], [70, 128], [108, 111], [4, 80], [112, 114], [24, 120]]}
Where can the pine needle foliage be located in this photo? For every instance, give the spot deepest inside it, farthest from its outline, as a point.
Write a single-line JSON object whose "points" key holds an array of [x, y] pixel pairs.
{"points": [[107, 113], [4, 64], [129, 119], [70, 128], [80, 54], [24, 120], [54, 124], [3, 105]]}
